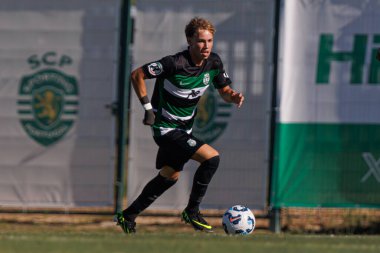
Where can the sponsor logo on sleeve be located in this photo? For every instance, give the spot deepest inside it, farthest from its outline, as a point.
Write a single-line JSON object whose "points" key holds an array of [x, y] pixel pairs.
{"points": [[155, 68]]}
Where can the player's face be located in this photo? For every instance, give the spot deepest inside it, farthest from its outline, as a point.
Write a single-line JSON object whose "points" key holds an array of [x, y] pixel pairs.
{"points": [[200, 45]]}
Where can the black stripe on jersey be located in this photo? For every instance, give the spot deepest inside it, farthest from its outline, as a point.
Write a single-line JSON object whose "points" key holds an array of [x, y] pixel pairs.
{"points": [[177, 101], [155, 100], [182, 124]]}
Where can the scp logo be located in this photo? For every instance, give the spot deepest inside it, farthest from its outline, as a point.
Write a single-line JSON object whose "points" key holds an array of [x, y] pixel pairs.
{"points": [[48, 99]]}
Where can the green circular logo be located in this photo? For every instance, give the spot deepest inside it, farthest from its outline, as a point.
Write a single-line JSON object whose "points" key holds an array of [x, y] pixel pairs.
{"points": [[212, 116], [47, 105]]}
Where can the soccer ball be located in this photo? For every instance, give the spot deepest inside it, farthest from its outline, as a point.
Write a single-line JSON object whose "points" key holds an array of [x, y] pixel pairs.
{"points": [[238, 220]]}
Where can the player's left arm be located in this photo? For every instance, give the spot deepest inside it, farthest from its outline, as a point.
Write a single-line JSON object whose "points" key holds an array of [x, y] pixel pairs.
{"points": [[231, 96]]}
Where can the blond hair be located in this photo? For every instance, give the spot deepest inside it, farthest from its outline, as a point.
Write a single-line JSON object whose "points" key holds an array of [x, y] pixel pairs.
{"points": [[196, 24]]}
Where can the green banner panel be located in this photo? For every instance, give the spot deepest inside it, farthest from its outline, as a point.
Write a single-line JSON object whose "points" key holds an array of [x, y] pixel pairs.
{"points": [[326, 165]]}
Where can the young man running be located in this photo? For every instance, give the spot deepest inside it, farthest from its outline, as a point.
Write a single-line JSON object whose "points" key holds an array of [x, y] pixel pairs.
{"points": [[181, 80]]}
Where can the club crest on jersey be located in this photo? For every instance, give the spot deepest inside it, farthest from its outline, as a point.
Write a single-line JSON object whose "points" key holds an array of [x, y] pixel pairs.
{"points": [[206, 79], [155, 68], [191, 142]]}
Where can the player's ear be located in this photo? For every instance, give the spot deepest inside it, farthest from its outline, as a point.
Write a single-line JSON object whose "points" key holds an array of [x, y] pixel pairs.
{"points": [[188, 41]]}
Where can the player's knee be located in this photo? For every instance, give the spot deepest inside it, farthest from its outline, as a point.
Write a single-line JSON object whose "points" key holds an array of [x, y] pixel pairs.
{"points": [[214, 161], [207, 170], [169, 173], [215, 153], [211, 164]]}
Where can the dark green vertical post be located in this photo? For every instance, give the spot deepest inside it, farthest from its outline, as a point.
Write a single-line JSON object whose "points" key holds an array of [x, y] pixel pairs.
{"points": [[124, 70], [274, 214]]}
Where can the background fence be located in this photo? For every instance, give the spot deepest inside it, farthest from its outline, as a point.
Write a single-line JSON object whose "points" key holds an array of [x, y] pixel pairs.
{"points": [[58, 66], [59, 63]]}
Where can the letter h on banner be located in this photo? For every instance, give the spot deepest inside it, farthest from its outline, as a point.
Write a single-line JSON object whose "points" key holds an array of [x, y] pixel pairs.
{"points": [[326, 56]]}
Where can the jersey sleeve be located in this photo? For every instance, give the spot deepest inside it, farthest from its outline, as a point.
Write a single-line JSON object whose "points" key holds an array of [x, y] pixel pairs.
{"points": [[221, 79], [161, 68]]}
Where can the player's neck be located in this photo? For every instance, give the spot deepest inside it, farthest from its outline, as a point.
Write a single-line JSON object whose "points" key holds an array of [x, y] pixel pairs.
{"points": [[197, 61]]}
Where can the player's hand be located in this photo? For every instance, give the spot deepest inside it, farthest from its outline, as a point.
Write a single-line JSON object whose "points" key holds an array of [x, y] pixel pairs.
{"points": [[148, 117], [237, 98]]}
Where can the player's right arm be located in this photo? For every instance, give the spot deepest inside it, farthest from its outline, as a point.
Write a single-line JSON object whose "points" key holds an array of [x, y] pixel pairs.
{"points": [[138, 82], [156, 69]]}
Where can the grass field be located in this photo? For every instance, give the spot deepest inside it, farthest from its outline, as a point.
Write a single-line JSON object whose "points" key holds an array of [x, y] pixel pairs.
{"points": [[16, 238]]}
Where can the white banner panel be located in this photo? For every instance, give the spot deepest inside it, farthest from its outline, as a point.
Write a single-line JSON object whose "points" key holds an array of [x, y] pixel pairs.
{"points": [[57, 72], [329, 72], [244, 42], [328, 133]]}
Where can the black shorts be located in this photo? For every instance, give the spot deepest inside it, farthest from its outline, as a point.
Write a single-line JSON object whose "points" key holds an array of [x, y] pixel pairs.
{"points": [[175, 149]]}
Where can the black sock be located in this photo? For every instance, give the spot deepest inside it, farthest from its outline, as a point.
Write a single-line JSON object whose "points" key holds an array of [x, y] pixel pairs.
{"points": [[149, 194], [202, 178]]}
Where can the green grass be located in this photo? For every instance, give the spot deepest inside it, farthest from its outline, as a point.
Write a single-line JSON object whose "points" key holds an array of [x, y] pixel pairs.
{"points": [[43, 239]]}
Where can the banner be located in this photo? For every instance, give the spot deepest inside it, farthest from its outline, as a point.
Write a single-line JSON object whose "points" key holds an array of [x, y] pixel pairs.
{"points": [[57, 73], [243, 40], [328, 131]]}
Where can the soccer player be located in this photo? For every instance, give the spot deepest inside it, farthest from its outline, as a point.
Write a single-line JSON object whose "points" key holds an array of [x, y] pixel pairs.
{"points": [[181, 80]]}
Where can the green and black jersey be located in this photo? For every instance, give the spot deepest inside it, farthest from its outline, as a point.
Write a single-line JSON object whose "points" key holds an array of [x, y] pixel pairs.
{"points": [[178, 88]]}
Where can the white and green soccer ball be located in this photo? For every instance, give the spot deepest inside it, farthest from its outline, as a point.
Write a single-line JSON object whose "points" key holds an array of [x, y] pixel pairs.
{"points": [[238, 220]]}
